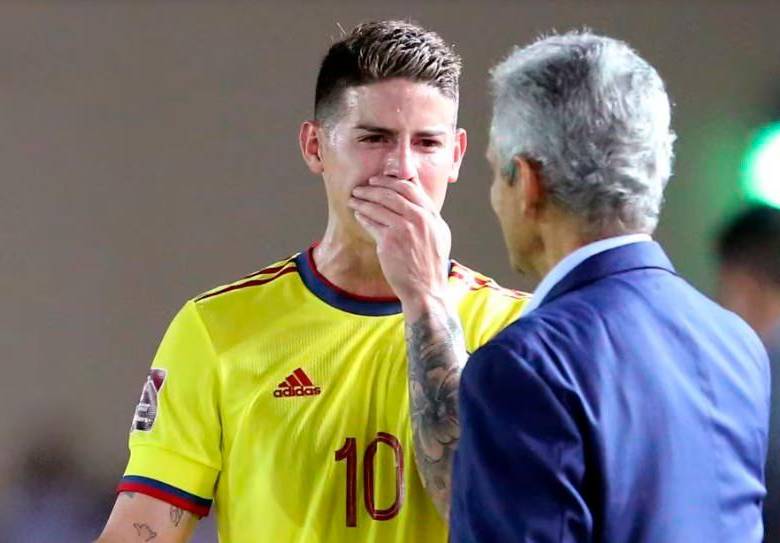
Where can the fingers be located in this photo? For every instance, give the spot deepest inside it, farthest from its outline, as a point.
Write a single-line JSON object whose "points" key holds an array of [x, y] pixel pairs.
{"points": [[385, 197], [397, 212], [373, 228], [377, 212], [410, 190], [401, 197]]}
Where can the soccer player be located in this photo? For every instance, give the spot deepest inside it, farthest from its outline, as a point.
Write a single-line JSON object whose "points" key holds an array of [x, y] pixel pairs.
{"points": [[285, 397]]}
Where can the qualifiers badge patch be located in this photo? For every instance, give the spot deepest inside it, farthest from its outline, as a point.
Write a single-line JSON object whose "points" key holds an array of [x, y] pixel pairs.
{"points": [[146, 411]]}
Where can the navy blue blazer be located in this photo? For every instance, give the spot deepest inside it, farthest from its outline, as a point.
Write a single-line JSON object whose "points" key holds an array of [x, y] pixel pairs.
{"points": [[627, 408]]}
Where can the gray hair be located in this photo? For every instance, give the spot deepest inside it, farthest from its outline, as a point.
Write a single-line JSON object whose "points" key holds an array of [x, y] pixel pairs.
{"points": [[595, 117]]}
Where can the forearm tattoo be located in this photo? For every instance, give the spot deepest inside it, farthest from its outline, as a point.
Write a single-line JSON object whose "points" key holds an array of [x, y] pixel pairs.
{"points": [[437, 354], [144, 531]]}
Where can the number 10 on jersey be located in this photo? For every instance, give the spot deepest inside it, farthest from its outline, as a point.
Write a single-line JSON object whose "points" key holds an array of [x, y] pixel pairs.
{"points": [[348, 452]]}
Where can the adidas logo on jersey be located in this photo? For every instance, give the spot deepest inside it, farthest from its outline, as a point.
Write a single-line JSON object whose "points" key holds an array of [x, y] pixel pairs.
{"points": [[296, 384]]}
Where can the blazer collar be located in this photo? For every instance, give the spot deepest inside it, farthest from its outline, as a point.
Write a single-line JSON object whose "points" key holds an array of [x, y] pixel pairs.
{"points": [[620, 259]]}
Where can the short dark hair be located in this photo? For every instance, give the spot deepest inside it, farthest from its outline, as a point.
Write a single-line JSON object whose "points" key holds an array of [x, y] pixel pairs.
{"points": [[381, 50], [752, 241]]}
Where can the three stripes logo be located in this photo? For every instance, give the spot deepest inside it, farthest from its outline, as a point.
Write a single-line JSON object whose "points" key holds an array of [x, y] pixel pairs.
{"points": [[296, 384]]}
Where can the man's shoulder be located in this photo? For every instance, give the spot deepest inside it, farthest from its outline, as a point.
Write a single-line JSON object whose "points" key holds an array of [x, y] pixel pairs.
{"points": [[523, 334], [614, 309], [616, 295], [475, 281], [551, 332], [519, 348], [484, 306], [260, 278], [238, 310], [260, 295]]}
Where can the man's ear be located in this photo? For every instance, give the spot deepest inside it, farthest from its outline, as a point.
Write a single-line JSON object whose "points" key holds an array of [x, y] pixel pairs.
{"points": [[459, 149], [528, 185], [310, 141]]}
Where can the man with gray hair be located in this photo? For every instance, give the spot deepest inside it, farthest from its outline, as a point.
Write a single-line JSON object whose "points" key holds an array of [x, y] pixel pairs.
{"points": [[623, 406]]}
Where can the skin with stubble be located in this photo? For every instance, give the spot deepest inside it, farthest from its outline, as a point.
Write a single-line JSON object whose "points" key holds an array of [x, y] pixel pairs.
{"points": [[396, 137]]}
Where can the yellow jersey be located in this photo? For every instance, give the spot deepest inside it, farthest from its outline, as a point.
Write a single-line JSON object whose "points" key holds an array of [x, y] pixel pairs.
{"points": [[284, 400]]}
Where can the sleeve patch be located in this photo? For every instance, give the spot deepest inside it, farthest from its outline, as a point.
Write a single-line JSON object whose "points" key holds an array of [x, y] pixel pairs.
{"points": [[146, 411]]}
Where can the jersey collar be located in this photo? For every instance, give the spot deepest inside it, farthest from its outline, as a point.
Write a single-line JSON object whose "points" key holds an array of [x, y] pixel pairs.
{"points": [[338, 297]]}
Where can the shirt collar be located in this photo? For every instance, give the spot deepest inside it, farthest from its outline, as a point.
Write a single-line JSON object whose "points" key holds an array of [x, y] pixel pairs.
{"points": [[574, 259]]}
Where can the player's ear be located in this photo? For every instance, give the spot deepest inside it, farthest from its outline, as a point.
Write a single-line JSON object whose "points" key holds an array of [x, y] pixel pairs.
{"points": [[459, 149], [310, 141]]}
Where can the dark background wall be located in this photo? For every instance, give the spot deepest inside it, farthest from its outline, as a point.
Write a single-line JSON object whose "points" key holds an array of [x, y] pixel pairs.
{"points": [[148, 152]]}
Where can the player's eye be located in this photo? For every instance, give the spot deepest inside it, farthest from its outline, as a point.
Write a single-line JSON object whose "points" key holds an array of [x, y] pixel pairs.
{"points": [[373, 138], [429, 143]]}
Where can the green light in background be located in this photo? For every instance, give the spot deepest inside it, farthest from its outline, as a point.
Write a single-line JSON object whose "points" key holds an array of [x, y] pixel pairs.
{"points": [[761, 168]]}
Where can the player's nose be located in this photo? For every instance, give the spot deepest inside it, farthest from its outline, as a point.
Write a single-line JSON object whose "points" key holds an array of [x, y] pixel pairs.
{"points": [[400, 162]]}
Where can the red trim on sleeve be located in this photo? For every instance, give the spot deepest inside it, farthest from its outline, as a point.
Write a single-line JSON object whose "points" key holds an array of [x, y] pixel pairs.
{"points": [[182, 503]]}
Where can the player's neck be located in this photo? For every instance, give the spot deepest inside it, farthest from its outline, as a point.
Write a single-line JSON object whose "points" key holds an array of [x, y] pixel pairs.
{"points": [[352, 265]]}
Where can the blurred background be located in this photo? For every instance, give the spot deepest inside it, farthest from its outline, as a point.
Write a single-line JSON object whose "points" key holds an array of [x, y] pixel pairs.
{"points": [[148, 152]]}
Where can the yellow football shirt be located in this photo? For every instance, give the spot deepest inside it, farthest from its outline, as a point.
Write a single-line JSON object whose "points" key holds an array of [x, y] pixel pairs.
{"points": [[285, 401]]}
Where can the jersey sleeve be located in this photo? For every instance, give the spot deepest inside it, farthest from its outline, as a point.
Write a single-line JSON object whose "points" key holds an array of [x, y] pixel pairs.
{"points": [[175, 452]]}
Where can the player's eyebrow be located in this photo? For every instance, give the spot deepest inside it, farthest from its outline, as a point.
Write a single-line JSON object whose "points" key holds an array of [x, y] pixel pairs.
{"points": [[386, 131], [431, 133], [375, 129]]}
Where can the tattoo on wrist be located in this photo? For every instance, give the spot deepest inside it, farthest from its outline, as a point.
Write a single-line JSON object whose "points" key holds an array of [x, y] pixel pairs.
{"points": [[144, 531]]}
